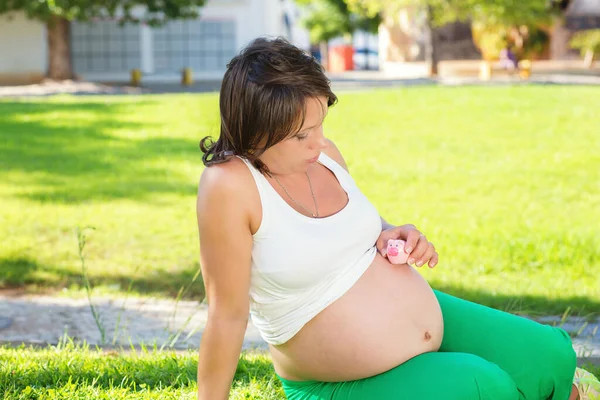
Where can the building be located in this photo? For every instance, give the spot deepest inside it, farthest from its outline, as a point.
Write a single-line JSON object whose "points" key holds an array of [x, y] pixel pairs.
{"points": [[403, 34], [583, 14], [104, 51]]}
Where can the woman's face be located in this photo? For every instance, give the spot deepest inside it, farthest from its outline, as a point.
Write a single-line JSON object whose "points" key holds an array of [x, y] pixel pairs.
{"points": [[299, 151]]}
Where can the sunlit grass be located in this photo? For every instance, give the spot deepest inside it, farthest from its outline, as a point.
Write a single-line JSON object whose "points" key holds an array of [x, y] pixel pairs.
{"points": [[505, 181], [71, 371]]}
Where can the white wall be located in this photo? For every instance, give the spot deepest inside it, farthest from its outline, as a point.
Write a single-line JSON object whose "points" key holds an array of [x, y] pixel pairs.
{"points": [[249, 17], [272, 23], [300, 35], [22, 45]]}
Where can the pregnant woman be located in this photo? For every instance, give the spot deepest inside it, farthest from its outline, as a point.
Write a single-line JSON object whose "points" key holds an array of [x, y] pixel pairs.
{"points": [[286, 235]]}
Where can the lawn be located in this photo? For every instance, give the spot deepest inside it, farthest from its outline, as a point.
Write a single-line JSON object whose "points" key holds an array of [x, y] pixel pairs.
{"points": [[505, 181], [77, 372]]}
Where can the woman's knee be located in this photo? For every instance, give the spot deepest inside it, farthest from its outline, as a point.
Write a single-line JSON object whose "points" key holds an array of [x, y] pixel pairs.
{"points": [[557, 354], [434, 376], [492, 381], [479, 379]]}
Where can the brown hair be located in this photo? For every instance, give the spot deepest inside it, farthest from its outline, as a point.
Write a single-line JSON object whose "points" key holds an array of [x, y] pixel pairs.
{"points": [[263, 99]]}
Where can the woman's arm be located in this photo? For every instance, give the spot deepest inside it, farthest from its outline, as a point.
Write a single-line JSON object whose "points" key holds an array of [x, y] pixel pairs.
{"points": [[225, 256], [420, 250], [385, 225]]}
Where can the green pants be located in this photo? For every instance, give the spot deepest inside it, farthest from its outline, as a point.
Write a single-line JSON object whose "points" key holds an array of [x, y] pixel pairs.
{"points": [[485, 354]]}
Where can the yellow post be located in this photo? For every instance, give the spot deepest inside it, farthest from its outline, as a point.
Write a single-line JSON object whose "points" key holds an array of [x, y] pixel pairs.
{"points": [[525, 69], [136, 77], [186, 77]]}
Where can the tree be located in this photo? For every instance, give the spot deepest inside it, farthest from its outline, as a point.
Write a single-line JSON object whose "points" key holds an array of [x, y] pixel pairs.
{"points": [[588, 43], [58, 14], [441, 12], [328, 19]]}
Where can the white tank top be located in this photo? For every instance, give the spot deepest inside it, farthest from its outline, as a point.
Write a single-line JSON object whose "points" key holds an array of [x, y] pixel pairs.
{"points": [[300, 265]]}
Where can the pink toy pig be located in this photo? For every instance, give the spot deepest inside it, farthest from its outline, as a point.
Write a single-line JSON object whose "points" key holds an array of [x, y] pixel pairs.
{"points": [[395, 251]]}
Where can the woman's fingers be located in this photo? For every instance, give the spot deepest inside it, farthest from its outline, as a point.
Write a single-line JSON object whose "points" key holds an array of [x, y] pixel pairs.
{"points": [[413, 237], [419, 251], [383, 240], [427, 256], [434, 260]]}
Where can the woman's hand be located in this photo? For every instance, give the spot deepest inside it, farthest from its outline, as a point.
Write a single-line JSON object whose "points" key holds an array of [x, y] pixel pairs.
{"points": [[419, 250]]}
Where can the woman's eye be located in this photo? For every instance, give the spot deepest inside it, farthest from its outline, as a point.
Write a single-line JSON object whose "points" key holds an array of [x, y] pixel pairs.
{"points": [[302, 137]]}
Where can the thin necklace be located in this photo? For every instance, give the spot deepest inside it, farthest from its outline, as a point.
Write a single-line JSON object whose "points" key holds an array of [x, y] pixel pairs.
{"points": [[316, 213]]}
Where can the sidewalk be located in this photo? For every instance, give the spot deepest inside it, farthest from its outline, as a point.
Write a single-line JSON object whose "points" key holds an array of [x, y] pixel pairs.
{"points": [[568, 72], [42, 320], [399, 74]]}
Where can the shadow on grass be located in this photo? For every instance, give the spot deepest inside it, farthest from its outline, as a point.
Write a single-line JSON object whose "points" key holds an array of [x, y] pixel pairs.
{"points": [[159, 282], [75, 158], [531, 305], [24, 272], [18, 271]]}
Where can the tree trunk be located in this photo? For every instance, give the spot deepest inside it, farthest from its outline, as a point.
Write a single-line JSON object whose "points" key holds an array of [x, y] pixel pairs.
{"points": [[59, 49], [588, 61], [559, 40], [431, 47]]}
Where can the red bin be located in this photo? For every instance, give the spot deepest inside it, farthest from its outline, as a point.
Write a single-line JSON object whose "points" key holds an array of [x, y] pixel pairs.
{"points": [[341, 58]]}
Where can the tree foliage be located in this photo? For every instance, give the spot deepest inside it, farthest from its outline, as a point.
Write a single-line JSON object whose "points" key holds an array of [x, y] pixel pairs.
{"points": [[155, 12], [587, 41], [504, 12], [328, 19]]}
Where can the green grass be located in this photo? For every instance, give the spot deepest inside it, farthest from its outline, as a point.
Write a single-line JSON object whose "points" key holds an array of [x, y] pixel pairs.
{"points": [[503, 180], [71, 371]]}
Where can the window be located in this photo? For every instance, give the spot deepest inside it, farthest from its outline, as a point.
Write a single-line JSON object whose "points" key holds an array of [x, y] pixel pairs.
{"points": [[200, 45], [104, 46]]}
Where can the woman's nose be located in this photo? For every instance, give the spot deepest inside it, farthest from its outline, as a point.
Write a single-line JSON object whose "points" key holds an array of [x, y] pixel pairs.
{"points": [[320, 142]]}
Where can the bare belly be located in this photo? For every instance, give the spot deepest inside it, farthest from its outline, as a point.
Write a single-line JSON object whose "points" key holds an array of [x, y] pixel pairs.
{"points": [[389, 316]]}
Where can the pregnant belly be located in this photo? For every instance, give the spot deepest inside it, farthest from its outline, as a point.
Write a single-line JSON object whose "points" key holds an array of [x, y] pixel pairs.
{"points": [[389, 316]]}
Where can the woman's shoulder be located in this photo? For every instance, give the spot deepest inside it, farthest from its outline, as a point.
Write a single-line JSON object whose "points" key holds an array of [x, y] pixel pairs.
{"points": [[334, 153], [231, 175], [228, 185]]}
